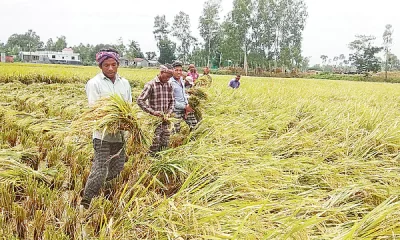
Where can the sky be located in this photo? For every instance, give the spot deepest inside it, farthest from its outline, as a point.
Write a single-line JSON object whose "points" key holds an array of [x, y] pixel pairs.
{"points": [[330, 27]]}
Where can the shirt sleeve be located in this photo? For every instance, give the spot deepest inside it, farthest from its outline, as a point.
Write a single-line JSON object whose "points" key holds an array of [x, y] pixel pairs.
{"points": [[129, 93], [142, 99], [171, 102], [92, 93]]}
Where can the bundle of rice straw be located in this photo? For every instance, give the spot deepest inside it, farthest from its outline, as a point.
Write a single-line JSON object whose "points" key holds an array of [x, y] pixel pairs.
{"points": [[114, 114]]}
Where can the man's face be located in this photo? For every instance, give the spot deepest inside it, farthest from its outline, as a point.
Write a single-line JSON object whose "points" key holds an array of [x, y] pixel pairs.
{"points": [[237, 78], [206, 71], [109, 68], [177, 72], [165, 76]]}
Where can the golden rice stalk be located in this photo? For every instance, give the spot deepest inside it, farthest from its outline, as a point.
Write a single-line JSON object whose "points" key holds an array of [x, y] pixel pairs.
{"points": [[12, 171], [198, 92], [114, 114], [203, 81]]}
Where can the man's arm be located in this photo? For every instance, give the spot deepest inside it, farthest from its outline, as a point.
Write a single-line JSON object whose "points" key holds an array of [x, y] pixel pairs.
{"points": [[91, 93], [171, 104], [141, 101]]}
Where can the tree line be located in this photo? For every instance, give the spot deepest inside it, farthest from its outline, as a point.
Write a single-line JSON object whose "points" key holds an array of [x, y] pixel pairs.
{"points": [[364, 57], [257, 33]]}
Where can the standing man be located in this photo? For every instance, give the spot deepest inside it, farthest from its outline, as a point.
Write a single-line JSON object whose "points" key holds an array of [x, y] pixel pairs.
{"points": [[109, 150], [235, 83], [182, 109], [157, 99]]}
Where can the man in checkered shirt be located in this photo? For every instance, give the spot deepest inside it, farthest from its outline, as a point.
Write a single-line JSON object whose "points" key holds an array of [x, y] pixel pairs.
{"points": [[158, 100]]}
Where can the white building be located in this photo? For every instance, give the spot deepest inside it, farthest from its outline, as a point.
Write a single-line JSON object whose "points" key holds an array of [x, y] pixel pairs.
{"points": [[67, 56]]}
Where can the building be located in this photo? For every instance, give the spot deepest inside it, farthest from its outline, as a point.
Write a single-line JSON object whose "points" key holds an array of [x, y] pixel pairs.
{"points": [[5, 58], [153, 63], [141, 62], [67, 56], [136, 62]]}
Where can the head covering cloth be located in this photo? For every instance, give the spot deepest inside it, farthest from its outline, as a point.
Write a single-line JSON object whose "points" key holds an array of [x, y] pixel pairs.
{"points": [[104, 55]]}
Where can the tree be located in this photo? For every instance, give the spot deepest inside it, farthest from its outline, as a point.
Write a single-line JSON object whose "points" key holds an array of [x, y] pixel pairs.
{"points": [[181, 30], [60, 44], [49, 45], [86, 53], [167, 51], [387, 42], [151, 55], [133, 50], [364, 58], [324, 58], [120, 47], [28, 42], [165, 46], [161, 27], [209, 27]]}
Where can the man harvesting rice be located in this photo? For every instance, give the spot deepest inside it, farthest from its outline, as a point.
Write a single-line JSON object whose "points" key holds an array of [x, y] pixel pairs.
{"points": [[182, 109], [235, 83], [157, 99], [109, 150]]}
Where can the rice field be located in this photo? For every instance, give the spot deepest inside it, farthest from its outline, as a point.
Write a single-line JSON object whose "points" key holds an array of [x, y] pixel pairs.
{"points": [[275, 159]]}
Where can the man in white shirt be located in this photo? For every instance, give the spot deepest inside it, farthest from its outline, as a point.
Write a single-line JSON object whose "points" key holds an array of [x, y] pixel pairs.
{"points": [[109, 150]]}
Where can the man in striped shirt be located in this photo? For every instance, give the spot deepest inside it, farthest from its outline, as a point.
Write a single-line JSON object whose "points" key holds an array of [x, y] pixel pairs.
{"points": [[157, 99]]}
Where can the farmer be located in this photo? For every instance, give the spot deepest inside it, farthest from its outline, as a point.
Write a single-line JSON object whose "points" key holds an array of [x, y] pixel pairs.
{"points": [[182, 109], [109, 150], [193, 72], [205, 80], [157, 99], [235, 83]]}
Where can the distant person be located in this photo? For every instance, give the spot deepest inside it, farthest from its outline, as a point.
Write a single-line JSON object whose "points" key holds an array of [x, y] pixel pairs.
{"points": [[105, 145], [193, 72], [205, 80], [235, 83], [157, 99], [182, 109]]}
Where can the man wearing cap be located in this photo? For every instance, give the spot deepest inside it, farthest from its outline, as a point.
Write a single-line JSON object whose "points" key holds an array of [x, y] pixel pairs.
{"points": [[182, 109], [157, 99], [109, 150]]}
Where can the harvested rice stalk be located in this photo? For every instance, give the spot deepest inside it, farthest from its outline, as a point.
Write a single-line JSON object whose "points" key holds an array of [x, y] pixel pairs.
{"points": [[195, 103], [12, 171], [198, 92], [114, 114]]}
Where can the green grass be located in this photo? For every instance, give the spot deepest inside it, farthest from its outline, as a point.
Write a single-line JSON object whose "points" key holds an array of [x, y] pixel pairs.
{"points": [[275, 159]]}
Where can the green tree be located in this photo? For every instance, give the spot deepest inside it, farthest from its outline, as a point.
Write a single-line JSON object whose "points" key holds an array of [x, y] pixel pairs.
{"points": [[151, 55], [49, 45], [120, 47], [133, 50], [60, 44], [28, 42], [164, 44], [167, 51], [210, 27], [86, 53], [161, 28], [363, 56], [181, 30], [387, 43]]}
